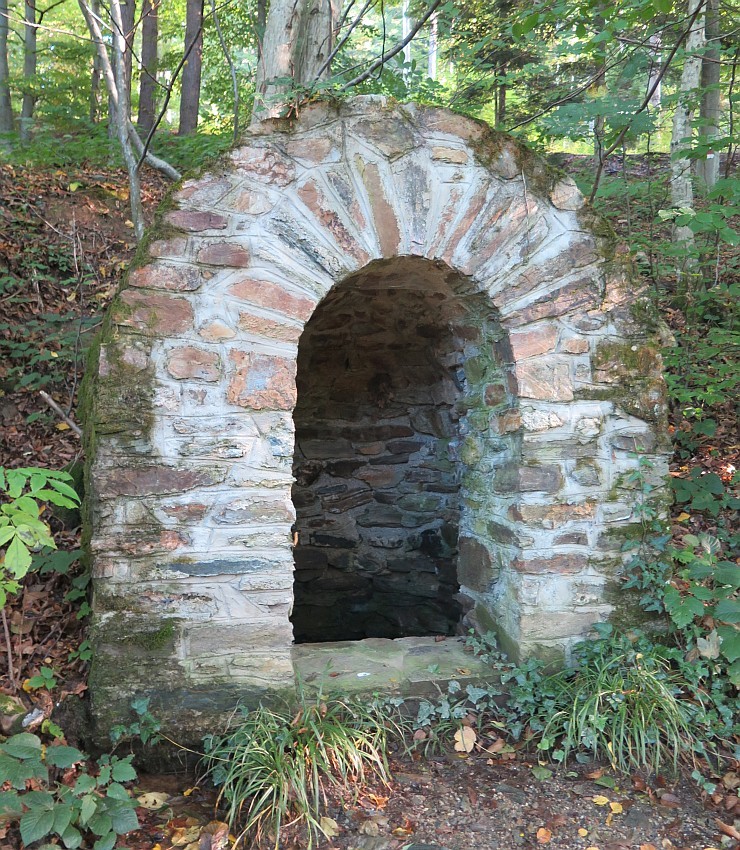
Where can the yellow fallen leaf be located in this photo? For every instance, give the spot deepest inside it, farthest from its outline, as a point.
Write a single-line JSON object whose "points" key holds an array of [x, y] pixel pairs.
{"points": [[583, 832], [153, 800], [183, 837], [609, 819], [329, 827], [616, 808], [62, 426], [601, 800], [593, 847], [683, 516], [648, 847], [189, 791], [543, 835], [465, 739]]}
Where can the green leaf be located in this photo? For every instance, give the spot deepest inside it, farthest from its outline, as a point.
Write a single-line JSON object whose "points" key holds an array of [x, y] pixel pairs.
{"points": [[123, 817], [100, 823], [730, 646], [10, 804], [684, 611], [117, 792], [63, 756], [541, 773], [727, 574], [19, 772], [17, 558], [71, 838], [62, 817], [23, 746], [88, 808], [35, 824], [85, 784], [123, 771], [106, 842], [728, 610]]}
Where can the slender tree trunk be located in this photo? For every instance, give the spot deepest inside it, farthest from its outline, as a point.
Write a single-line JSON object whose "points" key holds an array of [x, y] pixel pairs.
{"points": [[707, 168], [433, 47], [95, 90], [128, 22], [501, 98], [655, 47], [405, 30], [297, 42], [191, 73], [6, 105], [29, 70], [148, 83], [599, 86], [682, 193]]}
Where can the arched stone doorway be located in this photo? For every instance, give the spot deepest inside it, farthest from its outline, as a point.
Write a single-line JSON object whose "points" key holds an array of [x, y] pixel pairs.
{"points": [[521, 310], [392, 371]]}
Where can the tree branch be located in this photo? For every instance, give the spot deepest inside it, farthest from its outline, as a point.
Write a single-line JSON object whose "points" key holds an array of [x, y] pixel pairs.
{"points": [[378, 63]]}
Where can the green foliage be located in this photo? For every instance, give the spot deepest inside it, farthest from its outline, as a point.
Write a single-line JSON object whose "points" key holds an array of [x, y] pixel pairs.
{"points": [[46, 678], [145, 728], [24, 493], [95, 808], [274, 762], [623, 703]]}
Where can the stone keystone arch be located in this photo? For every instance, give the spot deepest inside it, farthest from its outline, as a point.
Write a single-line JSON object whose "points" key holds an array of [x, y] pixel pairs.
{"points": [[548, 385]]}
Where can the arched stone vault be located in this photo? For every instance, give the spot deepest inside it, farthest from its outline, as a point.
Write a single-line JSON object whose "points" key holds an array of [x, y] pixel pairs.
{"points": [[190, 403]]}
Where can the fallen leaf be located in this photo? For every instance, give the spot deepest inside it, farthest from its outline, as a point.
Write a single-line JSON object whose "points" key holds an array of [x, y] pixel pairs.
{"points": [[616, 808], [543, 835], [683, 516], [727, 829], [669, 800], [369, 827], [648, 847], [583, 832], [153, 800], [600, 801], [595, 774], [606, 782], [465, 739], [329, 827], [189, 791], [541, 773], [420, 735]]}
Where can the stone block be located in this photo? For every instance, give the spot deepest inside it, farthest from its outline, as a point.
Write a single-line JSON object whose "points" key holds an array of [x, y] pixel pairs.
{"points": [[195, 221], [263, 293], [528, 479], [560, 564], [530, 343], [545, 379], [262, 381], [193, 363], [154, 480], [263, 326], [228, 254], [176, 278], [552, 516], [155, 314], [476, 569]]}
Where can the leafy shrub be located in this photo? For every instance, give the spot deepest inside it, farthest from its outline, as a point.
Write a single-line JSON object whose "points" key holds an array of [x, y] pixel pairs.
{"points": [[92, 804], [273, 764], [24, 494]]}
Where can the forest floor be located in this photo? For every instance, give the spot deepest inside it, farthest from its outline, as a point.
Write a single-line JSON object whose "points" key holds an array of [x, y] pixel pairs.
{"points": [[64, 235]]}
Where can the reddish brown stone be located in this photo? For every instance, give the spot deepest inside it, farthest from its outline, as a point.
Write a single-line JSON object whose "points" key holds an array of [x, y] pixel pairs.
{"points": [[261, 326], [475, 206], [455, 156], [187, 512], [159, 315], [313, 150], [153, 480], [579, 295], [274, 297], [203, 191], [530, 343], [195, 220], [381, 476], [551, 516], [506, 422], [190, 362], [264, 164], [495, 394], [216, 332], [161, 276], [168, 541], [177, 247], [251, 202], [542, 379], [224, 254], [575, 256], [573, 538], [563, 564], [546, 478], [384, 216], [475, 567], [575, 345], [499, 225], [445, 121], [313, 197], [262, 382]]}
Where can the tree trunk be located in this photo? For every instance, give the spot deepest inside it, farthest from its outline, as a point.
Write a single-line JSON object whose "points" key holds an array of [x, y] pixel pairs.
{"points": [[6, 105], [148, 83], [707, 168], [128, 21], [655, 48], [682, 193], [29, 70], [599, 125], [433, 48], [191, 73], [297, 42]]}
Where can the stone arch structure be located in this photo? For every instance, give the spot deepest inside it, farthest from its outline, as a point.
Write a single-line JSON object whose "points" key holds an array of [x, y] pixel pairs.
{"points": [[506, 298]]}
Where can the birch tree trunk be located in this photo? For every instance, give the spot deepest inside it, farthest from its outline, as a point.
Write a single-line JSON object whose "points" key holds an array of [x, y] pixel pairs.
{"points": [[29, 69], [682, 192], [6, 105], [148, 83], [707, 168], [433, 47], [128, 25], [297, 42], [191, 72]]}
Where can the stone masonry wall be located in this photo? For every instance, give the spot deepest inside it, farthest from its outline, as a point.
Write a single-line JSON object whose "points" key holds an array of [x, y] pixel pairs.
{"points": [[549, 390]]}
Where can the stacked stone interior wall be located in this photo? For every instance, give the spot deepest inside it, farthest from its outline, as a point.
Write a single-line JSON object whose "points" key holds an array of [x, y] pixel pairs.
{"points": [[382, 392], [495, 293]]}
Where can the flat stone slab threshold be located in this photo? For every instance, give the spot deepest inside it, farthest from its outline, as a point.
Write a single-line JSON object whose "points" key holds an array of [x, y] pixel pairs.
{"points": [[410, 666]]}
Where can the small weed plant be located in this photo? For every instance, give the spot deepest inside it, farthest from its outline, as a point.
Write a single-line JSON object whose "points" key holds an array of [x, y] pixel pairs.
{"points": [[274, 765]]}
